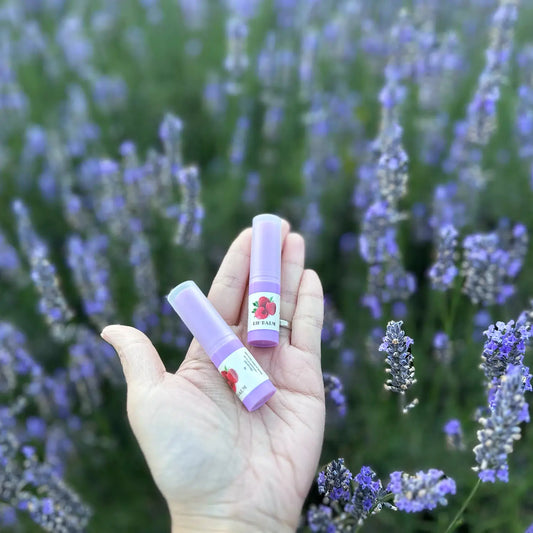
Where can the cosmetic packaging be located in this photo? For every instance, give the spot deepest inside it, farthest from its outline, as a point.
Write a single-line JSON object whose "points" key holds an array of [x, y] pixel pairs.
{"points": [[264, 286], [234, 362]]}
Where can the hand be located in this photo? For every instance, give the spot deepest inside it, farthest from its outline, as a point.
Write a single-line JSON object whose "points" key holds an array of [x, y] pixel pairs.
{"points": [[219, 467]]}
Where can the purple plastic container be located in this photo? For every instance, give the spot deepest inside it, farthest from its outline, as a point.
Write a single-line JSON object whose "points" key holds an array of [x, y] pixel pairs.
{"points": [[265, 277], [235, 363]]}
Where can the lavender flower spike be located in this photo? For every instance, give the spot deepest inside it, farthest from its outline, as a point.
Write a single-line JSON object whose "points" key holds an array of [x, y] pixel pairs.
{"points": [[368, 496], [334, 390], [424, 490], [396, 344], [505, 345], [501, 429], [454, 434], [481, 114], [443, 272], [335, 482], [485, 265], [392, 165]]}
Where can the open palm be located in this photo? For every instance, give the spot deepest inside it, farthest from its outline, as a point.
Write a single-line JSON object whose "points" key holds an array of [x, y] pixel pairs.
{"points": [[220, 467]]}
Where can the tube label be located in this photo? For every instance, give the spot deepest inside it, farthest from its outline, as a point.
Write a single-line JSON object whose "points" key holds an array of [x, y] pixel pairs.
{"points": [[263, 311], [242, 372]]}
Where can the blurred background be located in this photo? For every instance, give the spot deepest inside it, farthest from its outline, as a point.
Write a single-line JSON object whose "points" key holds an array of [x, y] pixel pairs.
{"points": [[137, 138]]}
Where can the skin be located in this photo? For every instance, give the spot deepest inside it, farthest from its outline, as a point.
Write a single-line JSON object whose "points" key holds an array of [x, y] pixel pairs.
{"points": [[219, 467]]}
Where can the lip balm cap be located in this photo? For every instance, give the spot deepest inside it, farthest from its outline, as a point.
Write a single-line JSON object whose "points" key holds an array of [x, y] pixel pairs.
{"points": [[265, 262], [199, 315]]}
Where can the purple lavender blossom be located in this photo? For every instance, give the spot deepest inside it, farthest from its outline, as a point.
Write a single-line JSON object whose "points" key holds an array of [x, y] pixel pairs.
{"points": [[170, 133], [319, 519], [77, 48], [109, 92], [392, 165], [35, 143], [307, 66], [110, 200], [438, 60], [388, 282], [442, 273], [481, 115], [335, 482], [377, 242], [442, 348], [191, 211], [238, 144], [505, 345], [501, 429], [52, 303], [367, 497], [27, 236], [89, 265], [515, 241], [9, 260], [486, 269], [236, 62], [250, 195], [333, 327], [194, 12], [454, 434], [334, 391], [448, 207], [145, 313], [424, 490], [77, 129], [373, 343], [400, 360]]}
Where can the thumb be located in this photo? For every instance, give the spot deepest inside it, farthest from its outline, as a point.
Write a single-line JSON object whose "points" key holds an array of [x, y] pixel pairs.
{"points": [[140, 361]]}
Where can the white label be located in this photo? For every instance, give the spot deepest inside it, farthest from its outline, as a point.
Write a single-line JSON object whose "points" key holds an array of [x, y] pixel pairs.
{"points": [[242, 372], [263, 311]]}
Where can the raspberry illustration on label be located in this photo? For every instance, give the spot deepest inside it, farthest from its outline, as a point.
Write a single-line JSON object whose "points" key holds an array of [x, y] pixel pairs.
{"points": [[271, 308], [263, 308], [231, 378]]}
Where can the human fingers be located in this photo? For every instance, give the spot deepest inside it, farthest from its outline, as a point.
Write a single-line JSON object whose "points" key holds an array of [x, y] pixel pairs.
{"points": [[308, 314], [229, 285], [292, 268], [228, 290], [140, 361]]}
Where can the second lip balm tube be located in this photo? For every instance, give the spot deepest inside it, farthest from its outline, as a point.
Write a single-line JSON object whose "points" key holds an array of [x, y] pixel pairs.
{"points": [[265, 275], [236, 364]]}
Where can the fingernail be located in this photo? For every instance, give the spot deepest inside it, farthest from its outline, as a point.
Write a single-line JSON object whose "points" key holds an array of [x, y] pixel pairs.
{"points": [[108, 333]]}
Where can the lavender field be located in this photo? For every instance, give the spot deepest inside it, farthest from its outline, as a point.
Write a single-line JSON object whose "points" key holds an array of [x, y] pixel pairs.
{"points": [[138, 138]]}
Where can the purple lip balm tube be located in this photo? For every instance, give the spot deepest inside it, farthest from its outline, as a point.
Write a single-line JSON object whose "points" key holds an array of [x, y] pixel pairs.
{"points": [[236, 364], [265, 275]]}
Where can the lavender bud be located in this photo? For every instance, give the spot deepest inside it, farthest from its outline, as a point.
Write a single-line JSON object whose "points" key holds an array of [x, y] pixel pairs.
{"points": [[501, 429], [424, 490], [443, 272], [400, 360], [505, 345], [191, 211], [335, 482], [236, 61], [334, 391], [481, 115], [367, 498], [442, 348], [485, 265], [454, 435]]}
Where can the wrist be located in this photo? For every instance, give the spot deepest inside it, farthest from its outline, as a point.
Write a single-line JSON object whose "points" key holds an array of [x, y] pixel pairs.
{"points": [[205, 523]]}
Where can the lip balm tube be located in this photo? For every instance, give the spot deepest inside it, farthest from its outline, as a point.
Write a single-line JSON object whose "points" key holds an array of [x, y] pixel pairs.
{"points": [[265, 275], [235, 363]]}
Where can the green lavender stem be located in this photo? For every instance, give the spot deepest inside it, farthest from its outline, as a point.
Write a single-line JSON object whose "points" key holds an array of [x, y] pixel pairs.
{"points": [[457, 517]]}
